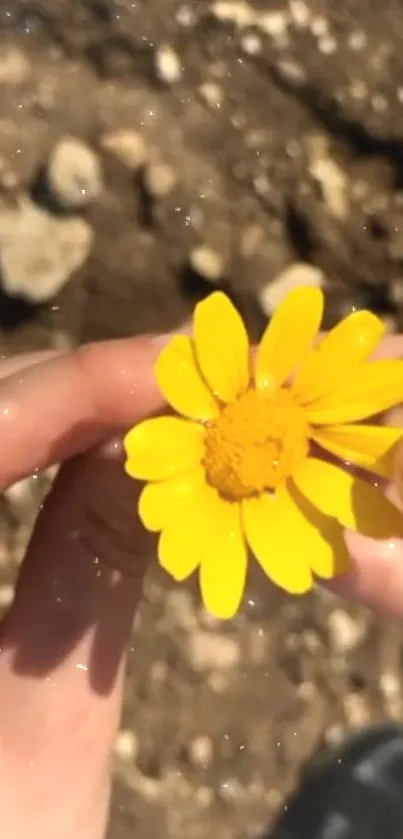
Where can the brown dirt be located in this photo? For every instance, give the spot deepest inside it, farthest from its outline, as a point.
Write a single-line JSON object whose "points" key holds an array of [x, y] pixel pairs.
{"points": [[284, 139]]}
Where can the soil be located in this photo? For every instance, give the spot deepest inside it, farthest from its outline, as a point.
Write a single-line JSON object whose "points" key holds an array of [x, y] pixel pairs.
{"points": [[263, 146]]}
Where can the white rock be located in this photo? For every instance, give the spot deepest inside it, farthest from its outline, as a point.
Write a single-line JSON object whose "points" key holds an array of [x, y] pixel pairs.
{"points": [[212, 94], [238, 12], [126, 745], [296, 275], [39, 252], [390, 684], [201, 750], [209, 650], [160, 179], [74, 173], [345, 632], [185, 16], [333, 182], [207, 263], [251, 43], [300, 13], [127, 146], [274, 23], [15, 67], [334, 734], [167, 64]]}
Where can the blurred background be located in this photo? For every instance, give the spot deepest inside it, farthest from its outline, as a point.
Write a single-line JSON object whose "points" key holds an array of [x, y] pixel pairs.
{"points": [[151, 150]]}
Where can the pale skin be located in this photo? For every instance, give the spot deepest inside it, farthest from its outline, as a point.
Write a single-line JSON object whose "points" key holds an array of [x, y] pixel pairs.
{"points": [[63, 642]]}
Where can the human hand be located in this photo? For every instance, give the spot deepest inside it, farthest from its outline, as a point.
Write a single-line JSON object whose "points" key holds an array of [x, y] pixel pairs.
{"points": [[63, 642]]}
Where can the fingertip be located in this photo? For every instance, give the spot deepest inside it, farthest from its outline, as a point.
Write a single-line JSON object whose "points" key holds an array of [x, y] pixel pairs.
{"points": [[375, 578]]}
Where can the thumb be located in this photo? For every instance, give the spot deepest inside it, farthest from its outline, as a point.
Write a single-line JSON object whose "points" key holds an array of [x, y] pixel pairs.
{"points": [[63, 644]]}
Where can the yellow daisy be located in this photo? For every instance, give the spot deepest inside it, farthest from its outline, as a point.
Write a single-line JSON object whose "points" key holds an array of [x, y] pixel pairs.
{"points": [[245, 464]]}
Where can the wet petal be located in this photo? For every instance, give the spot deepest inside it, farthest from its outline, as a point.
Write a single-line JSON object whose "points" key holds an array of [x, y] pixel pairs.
{"points": [[162, 447], [182, 542], [345, 347], [289, 336], [370, 389], [275, 531], [370, 446], [222, 346], [181, 382], [355, 503], [224, 564], [159, 502]]}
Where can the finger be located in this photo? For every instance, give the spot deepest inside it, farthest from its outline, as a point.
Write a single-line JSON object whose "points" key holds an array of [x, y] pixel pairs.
{"points": [[376, 576], [16, 363], [54, 409], [390, 347], [63, 650]]}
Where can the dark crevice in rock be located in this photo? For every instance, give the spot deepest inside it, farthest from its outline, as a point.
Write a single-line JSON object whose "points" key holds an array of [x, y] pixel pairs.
{"points": [[15, 311], [324, 109], [300, 232]]}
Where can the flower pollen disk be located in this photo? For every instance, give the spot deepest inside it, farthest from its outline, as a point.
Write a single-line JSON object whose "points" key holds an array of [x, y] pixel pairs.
{"points": [[255, 444]]}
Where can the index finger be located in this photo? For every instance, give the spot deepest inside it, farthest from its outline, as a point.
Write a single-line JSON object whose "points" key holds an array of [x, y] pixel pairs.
{"points": [[59, 407]]}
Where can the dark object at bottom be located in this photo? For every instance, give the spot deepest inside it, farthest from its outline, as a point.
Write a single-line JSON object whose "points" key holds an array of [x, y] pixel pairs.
{"points": [[355, 792]]}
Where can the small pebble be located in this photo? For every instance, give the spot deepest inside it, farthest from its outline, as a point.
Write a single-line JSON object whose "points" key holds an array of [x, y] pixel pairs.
{"points": [[160, 179], [212, 651], [251, 43], [126, 146], [334, 734], [167, 64], [207, 263], [356, 710], [15, 67], [296, 275], [74, 174], [300, 13], [274, 24], [390, 685], [201, 750], [345, 632], [212, 93], [126, 745]]}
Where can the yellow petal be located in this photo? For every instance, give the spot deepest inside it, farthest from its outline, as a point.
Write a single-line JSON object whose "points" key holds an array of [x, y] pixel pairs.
{"points": [[181, 382], [182, 542], [344, 348], [224, 564], [321, 540], [162, 447], [368, 390], [222, 346], [370, 446], [289, 336], [159, 502], [355, 503], [275, 532]]}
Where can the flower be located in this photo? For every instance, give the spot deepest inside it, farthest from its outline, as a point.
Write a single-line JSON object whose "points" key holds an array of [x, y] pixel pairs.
{"points": [[247, 464]]}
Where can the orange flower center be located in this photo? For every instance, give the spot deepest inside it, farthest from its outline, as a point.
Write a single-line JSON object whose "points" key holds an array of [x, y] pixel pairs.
{"points": [[255, 443]]}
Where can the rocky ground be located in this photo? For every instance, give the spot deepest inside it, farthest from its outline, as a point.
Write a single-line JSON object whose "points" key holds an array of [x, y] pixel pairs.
{"points": [[150, 149]]}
